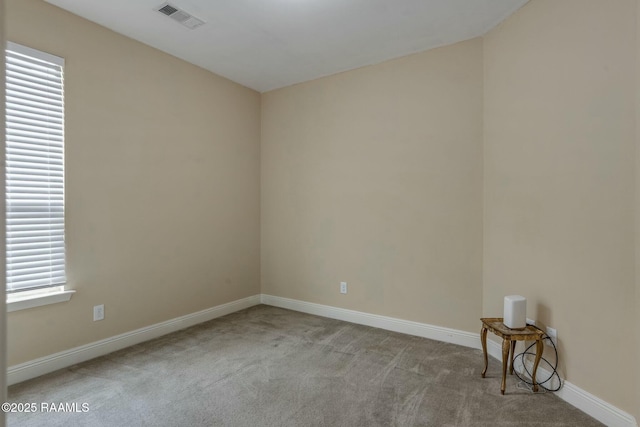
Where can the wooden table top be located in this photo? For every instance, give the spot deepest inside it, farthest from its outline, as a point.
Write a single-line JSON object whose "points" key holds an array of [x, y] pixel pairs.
{"points": [[496, 325]]}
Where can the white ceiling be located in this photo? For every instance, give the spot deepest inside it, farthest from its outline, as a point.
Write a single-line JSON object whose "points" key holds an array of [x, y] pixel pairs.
{"points": [[268, 44]]}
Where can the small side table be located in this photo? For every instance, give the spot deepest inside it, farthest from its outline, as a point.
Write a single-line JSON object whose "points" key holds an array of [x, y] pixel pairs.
{"points": [[509, 338]]}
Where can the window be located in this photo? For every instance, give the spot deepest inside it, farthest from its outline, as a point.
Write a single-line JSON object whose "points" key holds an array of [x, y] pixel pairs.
{"points": [[34, 170]]}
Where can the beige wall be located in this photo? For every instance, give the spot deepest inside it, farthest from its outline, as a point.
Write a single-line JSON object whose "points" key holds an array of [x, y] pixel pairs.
{"points": [[559, 182], [374, 177], [162, 185]]}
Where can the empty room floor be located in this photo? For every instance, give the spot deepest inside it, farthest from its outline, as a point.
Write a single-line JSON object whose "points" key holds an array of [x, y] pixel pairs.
{"points": [[266, 366]]}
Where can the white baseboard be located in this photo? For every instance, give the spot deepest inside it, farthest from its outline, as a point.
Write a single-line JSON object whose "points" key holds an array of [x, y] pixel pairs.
{"points": [[596, 407], [454, 336], [63, 359]]}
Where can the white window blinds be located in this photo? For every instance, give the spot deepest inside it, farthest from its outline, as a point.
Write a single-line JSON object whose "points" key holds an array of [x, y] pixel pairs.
{"points": [[34, 169]]}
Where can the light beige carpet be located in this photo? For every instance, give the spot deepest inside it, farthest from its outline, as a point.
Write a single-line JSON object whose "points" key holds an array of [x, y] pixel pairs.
{"points": [[266, 366]]}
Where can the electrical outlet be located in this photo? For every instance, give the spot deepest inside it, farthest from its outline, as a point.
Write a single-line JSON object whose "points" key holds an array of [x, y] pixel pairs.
{"points": [[98, 312], [553, 334], [531, 322], [343, 287]]}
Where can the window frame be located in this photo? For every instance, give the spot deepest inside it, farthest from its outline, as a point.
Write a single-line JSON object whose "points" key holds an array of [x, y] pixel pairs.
{"points": [[55, 290]]}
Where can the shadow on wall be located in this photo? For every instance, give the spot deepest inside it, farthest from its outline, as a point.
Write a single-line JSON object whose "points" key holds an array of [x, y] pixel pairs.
{"points": [[542, 315]]}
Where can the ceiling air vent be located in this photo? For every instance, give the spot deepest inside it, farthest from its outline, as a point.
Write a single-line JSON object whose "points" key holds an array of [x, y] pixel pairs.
{"points": [[181, 16]]}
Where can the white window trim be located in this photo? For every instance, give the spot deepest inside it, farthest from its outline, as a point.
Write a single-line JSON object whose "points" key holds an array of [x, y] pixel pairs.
{"points": [[29, 299], [25, 50]]}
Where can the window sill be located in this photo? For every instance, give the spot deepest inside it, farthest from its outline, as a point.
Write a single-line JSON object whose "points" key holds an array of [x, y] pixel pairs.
{"points": [[37, 300]]}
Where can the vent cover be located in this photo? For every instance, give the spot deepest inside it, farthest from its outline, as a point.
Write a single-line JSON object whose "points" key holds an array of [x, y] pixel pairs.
{"points": [[181, 16], [168, 10]]}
